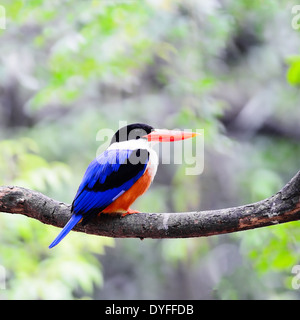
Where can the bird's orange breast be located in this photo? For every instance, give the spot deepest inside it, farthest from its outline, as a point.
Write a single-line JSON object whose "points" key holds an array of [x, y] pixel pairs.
{"points": [[123, 203]]}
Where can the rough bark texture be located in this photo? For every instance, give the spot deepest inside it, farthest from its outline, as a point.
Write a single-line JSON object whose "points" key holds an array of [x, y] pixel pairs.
{"points": [[284, 206]]}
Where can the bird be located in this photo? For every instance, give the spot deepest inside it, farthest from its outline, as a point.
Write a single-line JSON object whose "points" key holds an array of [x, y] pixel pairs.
{"points": [[120, 174]]}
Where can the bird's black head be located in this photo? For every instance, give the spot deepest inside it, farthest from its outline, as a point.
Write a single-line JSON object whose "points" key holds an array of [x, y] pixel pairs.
{"points": [[131, 132]]}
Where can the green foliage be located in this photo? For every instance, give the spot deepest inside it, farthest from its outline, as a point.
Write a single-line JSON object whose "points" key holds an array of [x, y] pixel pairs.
{"points": [[35, 272], [293, 74], [22, 165]]}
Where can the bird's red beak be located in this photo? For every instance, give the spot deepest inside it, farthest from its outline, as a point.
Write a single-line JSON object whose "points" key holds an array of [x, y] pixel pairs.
{"points": [[163, 135]]}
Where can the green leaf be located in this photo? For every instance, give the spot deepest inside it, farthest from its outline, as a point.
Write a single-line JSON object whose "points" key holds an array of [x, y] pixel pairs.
{"points": [[293, 73]]}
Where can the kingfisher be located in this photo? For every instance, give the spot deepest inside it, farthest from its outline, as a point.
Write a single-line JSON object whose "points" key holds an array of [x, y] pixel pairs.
{"points": [[119, 175]]}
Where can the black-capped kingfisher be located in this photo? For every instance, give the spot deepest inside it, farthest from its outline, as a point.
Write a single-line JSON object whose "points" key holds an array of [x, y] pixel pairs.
{"points": [[119, 175]]}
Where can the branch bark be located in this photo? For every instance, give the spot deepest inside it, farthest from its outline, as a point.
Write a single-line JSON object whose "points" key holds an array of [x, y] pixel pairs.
{"points": [[282, 207]]}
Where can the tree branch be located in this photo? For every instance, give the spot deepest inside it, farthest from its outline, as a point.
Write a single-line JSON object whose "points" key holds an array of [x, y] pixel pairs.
{"points": [[282, 207]]}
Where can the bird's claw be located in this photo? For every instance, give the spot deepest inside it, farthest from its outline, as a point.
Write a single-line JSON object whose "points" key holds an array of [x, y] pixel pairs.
{"points": [[130, 211]]}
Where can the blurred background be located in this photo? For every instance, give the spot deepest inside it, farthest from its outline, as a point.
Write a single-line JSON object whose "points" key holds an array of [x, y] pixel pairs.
{"points": [[70, 68]]}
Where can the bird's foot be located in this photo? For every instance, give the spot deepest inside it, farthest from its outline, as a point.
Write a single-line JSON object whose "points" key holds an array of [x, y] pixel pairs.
{"points": [[130, 211]]}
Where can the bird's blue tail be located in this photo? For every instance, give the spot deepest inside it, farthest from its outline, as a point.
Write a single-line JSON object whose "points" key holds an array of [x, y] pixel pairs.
{"points": [[67, 228]]}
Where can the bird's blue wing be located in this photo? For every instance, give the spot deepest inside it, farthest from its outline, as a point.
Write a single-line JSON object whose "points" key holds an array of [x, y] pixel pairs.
{"points": [[107, 177]]}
